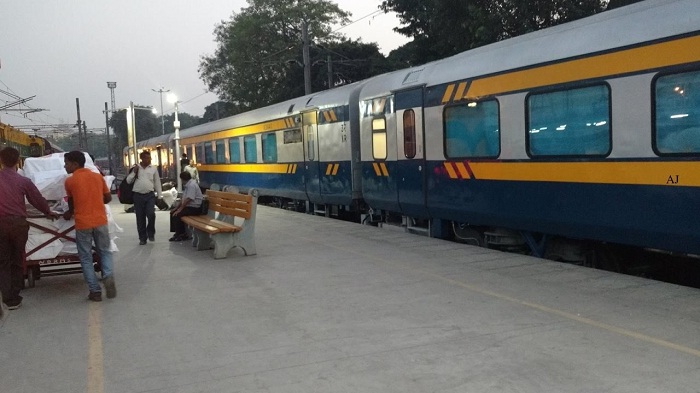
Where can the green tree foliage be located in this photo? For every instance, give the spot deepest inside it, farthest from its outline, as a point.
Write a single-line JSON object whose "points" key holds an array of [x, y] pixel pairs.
{"points": [[351, 61], [259, 56], [96, 143], [621, 3], [186, 121], [442, 28], [147, 126], [219, 110]]}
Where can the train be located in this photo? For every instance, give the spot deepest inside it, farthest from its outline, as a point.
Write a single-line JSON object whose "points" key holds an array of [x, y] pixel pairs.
{"points": [[27, 145], [564, 142]]}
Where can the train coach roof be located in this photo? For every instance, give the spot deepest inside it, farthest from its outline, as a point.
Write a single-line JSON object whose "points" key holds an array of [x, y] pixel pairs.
{"points": [[641, 22], [323, 99], [243, 119]]}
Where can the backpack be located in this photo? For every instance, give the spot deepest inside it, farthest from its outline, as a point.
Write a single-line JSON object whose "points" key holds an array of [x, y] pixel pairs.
{"points": [[125, 192]]}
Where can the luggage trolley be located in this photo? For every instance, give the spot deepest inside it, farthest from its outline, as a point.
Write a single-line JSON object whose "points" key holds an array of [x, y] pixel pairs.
{"points": [[34, 269]]}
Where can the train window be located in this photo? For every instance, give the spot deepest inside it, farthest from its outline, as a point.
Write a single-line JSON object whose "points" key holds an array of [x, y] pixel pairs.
{"points": [[378, 106], [269, 147], [677, 113], [292, 136], [472, 130], [573, 122], [201, 158], [193, 155], [250, 148], [379, 138], [409, 133], [209, 153], [220, 152], [234, 150], [310, 141], [35, 149]]}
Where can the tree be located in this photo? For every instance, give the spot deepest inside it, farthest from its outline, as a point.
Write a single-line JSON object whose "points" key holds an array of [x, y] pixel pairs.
{"points": [[94, 143], [351, 61], [186, 121], [147, 126], [258, 48], [620, 3], [442, 28], [219, 110]]}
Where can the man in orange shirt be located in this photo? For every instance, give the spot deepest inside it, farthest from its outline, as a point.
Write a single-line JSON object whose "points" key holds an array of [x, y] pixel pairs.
{"points": [[87, 194]]}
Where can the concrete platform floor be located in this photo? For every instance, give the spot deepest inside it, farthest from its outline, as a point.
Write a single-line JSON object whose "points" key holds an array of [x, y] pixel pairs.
{"points": [[329, 306]]}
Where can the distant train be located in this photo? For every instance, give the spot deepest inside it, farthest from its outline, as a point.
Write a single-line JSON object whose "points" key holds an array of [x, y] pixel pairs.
{"points": [[28, 145], [564, 141]]}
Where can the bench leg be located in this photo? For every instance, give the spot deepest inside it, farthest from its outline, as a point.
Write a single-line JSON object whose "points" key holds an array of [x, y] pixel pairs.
{"points": [[245, 240], [223, 243], [201, 240]]}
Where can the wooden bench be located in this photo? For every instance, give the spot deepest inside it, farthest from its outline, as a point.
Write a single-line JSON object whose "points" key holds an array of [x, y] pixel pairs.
{"points": [[229, 223]]}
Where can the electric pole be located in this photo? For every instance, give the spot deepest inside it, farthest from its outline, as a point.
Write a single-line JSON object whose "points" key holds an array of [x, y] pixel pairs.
{"points": [[111, 86], [307, 60], [79, 124], [330, 72], [162, 115]]}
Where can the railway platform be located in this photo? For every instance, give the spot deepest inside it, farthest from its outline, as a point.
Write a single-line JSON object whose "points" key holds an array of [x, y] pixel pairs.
{"points": [[331, 306]]}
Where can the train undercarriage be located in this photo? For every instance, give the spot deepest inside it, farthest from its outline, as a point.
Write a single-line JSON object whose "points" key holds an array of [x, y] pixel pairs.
{"points": [[637, 261]]}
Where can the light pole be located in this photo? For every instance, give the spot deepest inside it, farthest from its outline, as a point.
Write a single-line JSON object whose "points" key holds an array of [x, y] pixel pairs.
{"points": [[109, 143], [172, 98], [162, 120], [111, 86]]}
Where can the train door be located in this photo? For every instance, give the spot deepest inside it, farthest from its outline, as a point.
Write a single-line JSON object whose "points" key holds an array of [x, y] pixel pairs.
{"points": [[410, 168], [312, 165]]}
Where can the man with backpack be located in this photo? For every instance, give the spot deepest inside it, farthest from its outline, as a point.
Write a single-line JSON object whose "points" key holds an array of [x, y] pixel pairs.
{"points": [[146, 188]]}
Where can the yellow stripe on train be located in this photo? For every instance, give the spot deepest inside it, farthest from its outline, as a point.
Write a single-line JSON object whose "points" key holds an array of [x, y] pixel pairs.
{"points": [[676, 173], [617, 63], [273, 125], [249, 168], [622, 62]]}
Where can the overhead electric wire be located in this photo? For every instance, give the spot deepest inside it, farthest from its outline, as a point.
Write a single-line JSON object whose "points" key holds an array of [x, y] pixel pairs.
{"points": [[357, 20]]}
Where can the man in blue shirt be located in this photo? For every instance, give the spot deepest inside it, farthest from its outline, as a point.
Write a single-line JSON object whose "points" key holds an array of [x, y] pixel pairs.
{"points": [[191, 205]]}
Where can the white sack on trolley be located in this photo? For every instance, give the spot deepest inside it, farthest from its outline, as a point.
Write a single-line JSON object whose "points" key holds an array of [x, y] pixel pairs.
{"points": [[50, 250], [49, 175], [70, 247]]}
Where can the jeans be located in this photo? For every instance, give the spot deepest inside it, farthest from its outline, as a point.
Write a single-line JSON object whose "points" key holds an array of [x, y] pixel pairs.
{"points": [[145, 209], [84, 239], [13, 240]]}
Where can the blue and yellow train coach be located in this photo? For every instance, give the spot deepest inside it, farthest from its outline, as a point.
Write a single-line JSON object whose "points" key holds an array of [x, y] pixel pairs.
{"points": [[584, 133], [588, 130], [301, 149]]}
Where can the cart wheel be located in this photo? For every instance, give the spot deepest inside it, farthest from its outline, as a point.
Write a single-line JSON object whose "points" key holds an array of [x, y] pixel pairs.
{"points": [[30, 277]]}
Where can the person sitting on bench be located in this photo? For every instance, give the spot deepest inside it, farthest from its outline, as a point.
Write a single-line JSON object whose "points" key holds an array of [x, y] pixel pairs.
{"points": [[189, 206]]}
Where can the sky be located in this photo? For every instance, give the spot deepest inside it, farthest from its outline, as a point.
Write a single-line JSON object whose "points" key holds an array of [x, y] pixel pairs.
{"points": [[58, 51]]}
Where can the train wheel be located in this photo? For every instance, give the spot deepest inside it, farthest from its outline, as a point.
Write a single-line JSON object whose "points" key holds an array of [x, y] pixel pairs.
{"points": [[604, 258], [468, 235]]}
